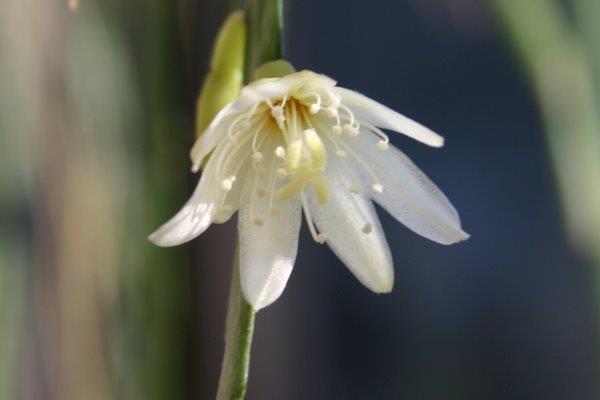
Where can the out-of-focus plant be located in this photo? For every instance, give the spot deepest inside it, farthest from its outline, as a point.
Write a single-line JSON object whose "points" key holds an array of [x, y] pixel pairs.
{"points": [[554, 58]]}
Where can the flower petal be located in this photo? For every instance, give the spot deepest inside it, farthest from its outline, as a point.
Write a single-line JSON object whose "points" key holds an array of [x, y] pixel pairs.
{"points": [[268, 244], [353, 232], [196, 215], [213, 135], [193, 219], [408, 195], [377, 114]]}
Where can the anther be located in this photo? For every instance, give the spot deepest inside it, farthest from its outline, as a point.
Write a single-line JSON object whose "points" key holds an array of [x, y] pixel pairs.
{"points": [[261, 192], [280, 152], [320, 238], [378, 187], [336, 130], [341, 153], [351, 130], [383, 145], [314, 108], [262, 172], [353, 188], [367, 228], [257, 156], [274, 210], [227, 184]]}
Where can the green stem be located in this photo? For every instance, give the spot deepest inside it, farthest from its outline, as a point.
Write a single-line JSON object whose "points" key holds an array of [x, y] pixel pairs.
{"points": [[264, 43], [238, 340]]}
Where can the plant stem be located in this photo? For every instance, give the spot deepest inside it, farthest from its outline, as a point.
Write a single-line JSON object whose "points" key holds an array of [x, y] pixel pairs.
{"points": [[264, 43], [239, 327]]}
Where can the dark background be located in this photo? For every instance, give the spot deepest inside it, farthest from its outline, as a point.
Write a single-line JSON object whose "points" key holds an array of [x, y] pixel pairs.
{"points": [[508, 314], [97, 108]]}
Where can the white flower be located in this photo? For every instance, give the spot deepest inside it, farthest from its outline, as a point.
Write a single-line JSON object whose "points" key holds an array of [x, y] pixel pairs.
{"points": [[300, 144]]}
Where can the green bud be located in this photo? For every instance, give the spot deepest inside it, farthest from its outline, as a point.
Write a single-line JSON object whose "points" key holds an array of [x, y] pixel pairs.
{"points": [[224, 81], [274, 69]]}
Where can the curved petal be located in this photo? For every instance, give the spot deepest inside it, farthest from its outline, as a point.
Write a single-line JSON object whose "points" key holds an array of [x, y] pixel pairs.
{"points": [[408, 195], [377, 114], [353, 231], [214, 134], [193, 219], [195, 216], [268, 245]]}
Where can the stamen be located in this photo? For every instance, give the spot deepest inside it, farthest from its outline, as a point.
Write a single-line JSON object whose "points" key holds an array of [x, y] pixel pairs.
{"points": [[348, 112], [367, 227], [336, 130], [353, 188], [262, 172], [341, 153], [317, 237], [274, 210], [351, 130], [378, 187], [314, 107], [227, 183], [257, 133], [383, 144], [278, 114], [359, 160], [261, 192], [280, 152]]}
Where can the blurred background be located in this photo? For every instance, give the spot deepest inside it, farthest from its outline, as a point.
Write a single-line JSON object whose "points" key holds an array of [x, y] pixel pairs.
{"points": [[97, 106]]}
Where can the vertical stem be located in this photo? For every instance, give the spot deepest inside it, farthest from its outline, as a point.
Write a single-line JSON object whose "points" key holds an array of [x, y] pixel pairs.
{"points": [[239, 327], [264, 43]]}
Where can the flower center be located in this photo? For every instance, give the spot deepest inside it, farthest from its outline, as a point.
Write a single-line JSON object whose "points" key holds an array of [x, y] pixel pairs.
{"points": [[288, 141]]}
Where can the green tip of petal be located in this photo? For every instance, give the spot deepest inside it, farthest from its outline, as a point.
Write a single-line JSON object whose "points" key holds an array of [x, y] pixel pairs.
{"points": [[274, 69]]}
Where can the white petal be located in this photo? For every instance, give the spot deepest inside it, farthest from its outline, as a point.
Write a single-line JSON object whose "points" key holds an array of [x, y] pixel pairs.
{"points": [[408, 195], [214, 134], [268, 245], [195, 216], [377, 114], [342, 220], [232, 199], [193, 219]]}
